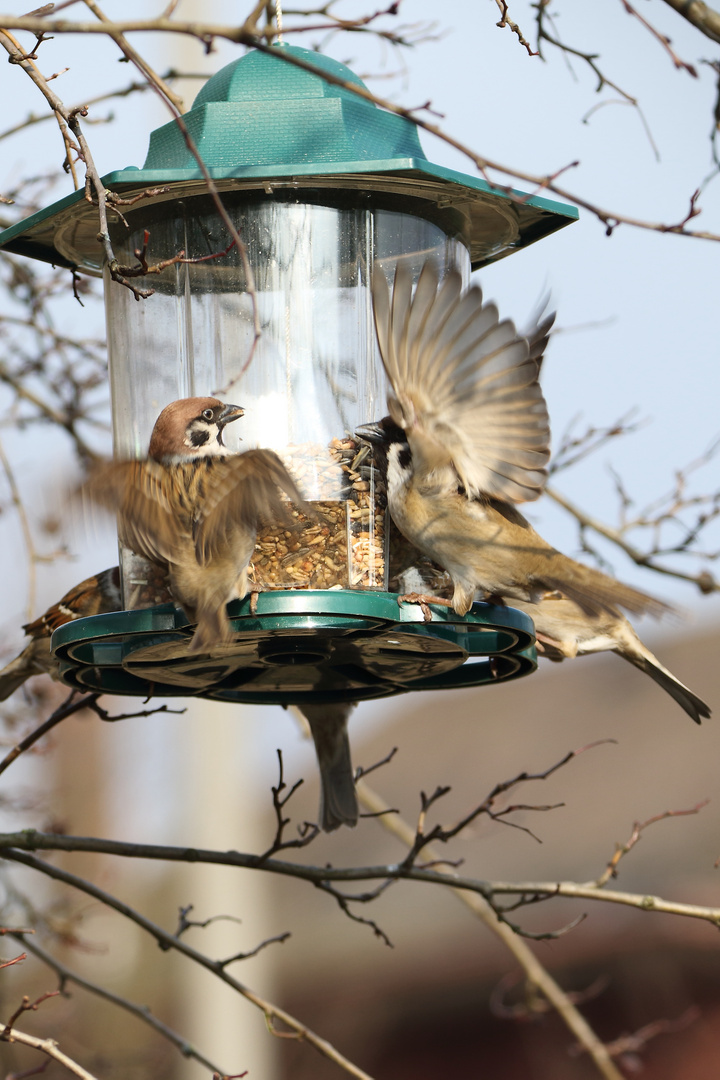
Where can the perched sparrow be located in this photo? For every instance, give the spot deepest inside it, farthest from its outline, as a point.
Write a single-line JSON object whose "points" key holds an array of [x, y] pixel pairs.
{"points": [[467, 436], [328, 725], [94, 596], [193, 508]]}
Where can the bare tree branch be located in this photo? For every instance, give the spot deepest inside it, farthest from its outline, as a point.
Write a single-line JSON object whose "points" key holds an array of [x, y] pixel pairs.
{"points": [[207, 32], [142, 1012], [703, 18], [536, 974], [271, 1012]]}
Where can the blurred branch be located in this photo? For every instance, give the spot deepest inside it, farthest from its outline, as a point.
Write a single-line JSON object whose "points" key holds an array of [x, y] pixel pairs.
{"points": [[543, 19], [207, 32], [45, 1046], [271, 1012], [111, 95], [30, 549], [702, 17], [686, 514], [71, 705], [704, 580], [626, 1047], [142, 1012], [535, 973], [48, 411]]}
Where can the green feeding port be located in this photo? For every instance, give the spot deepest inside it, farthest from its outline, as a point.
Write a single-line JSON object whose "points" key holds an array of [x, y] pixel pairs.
{"points": [[299, 647], [323, 186], [264, 124]]}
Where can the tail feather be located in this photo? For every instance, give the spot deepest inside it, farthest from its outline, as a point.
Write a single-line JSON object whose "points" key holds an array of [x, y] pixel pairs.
{"points": [[30, 662], [636, 653], [338, 801], [14, 675], [213, 629], [595, 592]]}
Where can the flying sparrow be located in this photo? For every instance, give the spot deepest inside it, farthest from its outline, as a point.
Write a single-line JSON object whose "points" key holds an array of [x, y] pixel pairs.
{"points": [[94, 596], [193, 507], [466, 438], [328, 726]]}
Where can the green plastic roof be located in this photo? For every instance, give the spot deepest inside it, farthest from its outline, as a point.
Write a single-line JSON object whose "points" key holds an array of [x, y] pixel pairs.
{"points": [[262, 111], [261, 119]]}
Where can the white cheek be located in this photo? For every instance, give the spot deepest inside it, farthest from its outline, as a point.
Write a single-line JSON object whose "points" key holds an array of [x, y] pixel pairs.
{"points": [[211, 448]]}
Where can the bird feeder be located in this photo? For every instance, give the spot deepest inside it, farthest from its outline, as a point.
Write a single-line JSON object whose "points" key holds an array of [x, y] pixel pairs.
{"points": [[321, 186]]}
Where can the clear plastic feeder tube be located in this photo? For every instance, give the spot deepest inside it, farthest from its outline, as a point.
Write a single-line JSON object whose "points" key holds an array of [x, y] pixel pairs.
{"points": [[308, 379]]}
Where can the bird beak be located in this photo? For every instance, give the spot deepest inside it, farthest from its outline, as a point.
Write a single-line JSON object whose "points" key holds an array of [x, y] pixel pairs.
{"points": [[230, 413], [372, 433]]}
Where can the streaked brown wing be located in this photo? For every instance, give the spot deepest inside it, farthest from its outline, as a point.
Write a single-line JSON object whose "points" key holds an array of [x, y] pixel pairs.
{"points": [[242, 492], [97, 594], [152, 516]]}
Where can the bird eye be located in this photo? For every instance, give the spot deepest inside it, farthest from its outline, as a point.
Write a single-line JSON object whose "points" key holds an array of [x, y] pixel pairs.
{"points": [[208, 414]]}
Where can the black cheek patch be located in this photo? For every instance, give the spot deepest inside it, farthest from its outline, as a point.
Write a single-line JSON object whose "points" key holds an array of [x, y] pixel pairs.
{"points": [[405, 457], [199, 438]]}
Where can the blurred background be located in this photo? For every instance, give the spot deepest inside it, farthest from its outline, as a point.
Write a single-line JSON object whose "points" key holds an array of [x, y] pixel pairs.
{"points": [[637, 331]]}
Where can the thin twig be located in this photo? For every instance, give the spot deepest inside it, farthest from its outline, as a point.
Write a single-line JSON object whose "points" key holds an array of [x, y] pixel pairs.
{"points": [[70, 706], [271, 1012], [534, 970], [142, 1012], [30, 549], [45, 1046]]}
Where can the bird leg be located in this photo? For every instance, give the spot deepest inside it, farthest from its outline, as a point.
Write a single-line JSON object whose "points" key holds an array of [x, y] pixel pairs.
{"points": [[254, 590], [423, 601]]}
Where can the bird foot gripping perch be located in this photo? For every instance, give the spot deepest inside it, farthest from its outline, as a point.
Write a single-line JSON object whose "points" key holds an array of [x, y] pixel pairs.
{"points": [[424, 602]]}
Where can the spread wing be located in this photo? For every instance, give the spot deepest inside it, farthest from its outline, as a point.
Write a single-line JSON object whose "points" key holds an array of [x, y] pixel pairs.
{"points": [[538, 331], [153, 516], [161, 511], [464, 384], [244, 490]]}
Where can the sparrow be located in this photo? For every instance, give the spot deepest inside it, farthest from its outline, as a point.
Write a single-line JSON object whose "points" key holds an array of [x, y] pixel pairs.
{"points": [[94, 596], [193, 508], [467, 437], [328, 726]]}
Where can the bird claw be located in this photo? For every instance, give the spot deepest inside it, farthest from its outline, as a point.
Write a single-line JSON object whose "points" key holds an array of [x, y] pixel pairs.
{"points": [[423, 601], [254, 591]]}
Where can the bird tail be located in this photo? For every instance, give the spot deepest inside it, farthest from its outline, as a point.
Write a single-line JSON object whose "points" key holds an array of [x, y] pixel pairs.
{"points": [[213, 629], [17, 671], [633, 650], [338, 801], [596, 592]]}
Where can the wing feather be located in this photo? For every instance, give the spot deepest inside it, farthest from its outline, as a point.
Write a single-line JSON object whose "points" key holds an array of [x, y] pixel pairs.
{"points": [[464, 383], [245, 491], [151, 519]]}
